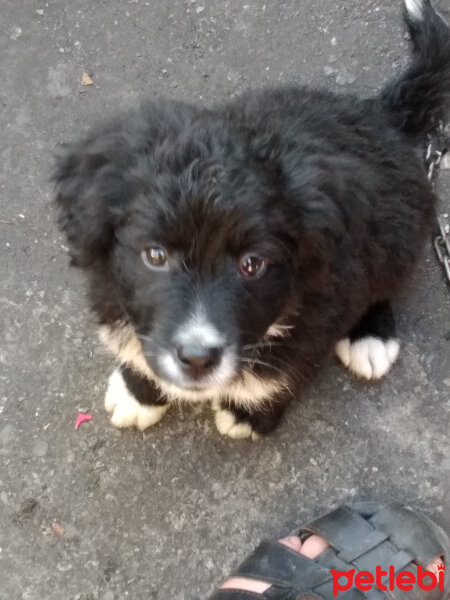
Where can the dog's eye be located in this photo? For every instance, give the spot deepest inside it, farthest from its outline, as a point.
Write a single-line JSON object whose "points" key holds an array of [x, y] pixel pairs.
{"points": [[155, 257], [252, 265]]}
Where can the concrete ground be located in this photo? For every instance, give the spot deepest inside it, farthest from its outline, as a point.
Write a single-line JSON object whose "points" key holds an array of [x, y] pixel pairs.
{"points": [[102, 514]]}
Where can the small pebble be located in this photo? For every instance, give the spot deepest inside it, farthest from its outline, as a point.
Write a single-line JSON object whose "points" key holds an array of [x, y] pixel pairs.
{"points": [[15, 33], [40, 11]]}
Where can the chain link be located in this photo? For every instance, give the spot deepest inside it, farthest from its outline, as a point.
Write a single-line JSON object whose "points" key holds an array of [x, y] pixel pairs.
{"points": [[442, 243], [435, 154]]}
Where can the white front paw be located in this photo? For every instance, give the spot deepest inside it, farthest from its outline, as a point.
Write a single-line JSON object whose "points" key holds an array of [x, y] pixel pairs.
{"points": [[368, 358], [125, 410], [228, 425]]}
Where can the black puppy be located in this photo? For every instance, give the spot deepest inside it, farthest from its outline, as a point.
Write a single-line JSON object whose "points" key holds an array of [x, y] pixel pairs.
{"points": [[229, 250]]}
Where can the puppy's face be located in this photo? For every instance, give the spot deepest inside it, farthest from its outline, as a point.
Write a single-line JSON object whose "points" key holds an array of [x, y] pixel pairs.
{"points": [[204, 267], [199, 240]]}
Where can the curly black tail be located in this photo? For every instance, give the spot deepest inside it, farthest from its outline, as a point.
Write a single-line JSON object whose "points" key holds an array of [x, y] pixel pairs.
{"points": [[421, 96]]}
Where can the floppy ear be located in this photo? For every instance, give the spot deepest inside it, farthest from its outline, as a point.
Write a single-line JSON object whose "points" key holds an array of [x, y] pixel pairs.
{"points": [[91, 191]]}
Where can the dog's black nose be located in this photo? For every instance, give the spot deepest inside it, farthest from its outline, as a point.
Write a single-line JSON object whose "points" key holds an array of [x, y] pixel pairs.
{"points": [[199, 358]]}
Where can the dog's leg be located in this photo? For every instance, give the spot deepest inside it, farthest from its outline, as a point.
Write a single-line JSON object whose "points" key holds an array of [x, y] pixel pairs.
{"points": [[133, 400], [371, 347], [239, 423]]}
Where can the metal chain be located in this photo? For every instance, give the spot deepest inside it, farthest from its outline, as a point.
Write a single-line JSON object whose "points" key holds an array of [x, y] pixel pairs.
{"points": [[438, 144], [442, 243]]}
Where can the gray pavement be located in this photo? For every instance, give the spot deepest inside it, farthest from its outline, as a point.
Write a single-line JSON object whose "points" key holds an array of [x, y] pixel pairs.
{"points": [[98, 514]]}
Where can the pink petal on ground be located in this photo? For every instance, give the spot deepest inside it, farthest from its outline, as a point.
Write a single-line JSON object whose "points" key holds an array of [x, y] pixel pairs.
{"points": [[81, 418]]}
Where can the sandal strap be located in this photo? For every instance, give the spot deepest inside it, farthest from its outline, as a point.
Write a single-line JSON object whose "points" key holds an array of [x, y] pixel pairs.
{"points": [[277, 564], [410, 530], [349, 533], [292, 575], [386, 536]]}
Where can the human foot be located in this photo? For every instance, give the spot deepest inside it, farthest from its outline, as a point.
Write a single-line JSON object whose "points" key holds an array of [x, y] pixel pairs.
{"points": [[312, 547], [359, 541]]}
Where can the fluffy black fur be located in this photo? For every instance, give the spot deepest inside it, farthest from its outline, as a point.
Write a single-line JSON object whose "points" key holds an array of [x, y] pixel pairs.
{"points": [[330, 190]]}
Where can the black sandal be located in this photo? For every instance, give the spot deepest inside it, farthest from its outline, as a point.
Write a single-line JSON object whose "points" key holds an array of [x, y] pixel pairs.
{"points": [[362, 537]]}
